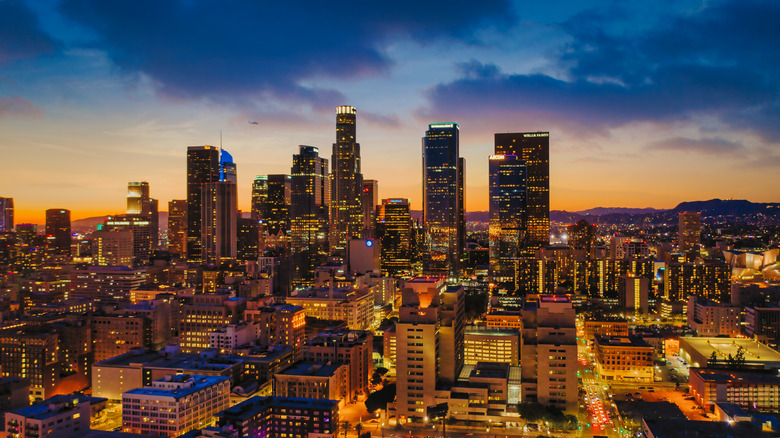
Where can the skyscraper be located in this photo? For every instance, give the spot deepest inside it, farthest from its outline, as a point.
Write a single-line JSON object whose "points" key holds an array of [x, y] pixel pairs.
{"points": [[443, 203], [58, 231], [177, 227], [309, 207], [346, 180], [534, 149], [138, 197], [394, 229], [219, 216], [271, 203], [370, 199], [202, 167], [248, 239], [142, 228], [139, 203], [507, 216], [689, 230], [6, 214]]}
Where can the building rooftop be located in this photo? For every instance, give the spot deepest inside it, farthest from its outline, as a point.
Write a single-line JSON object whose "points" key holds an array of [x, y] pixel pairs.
{"points": [[183, 361], [666, 428], [319, 369], [622, 341], [755, 352], [248, 408], [725, 376], [199, 382], [53, 406], [491, 331]]}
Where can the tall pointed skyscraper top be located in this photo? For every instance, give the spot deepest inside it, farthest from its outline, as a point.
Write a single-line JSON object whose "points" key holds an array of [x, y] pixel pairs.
{"points": [[346, 181]]}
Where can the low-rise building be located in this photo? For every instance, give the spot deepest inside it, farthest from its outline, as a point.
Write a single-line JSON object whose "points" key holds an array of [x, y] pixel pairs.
{"points": [[229, 337], [352, 348], [58, 416], [14, 393], [138, 368], [624, 358], [175, 404], [751, 390], [355, 306], [492, 345], [708, 318], [283, 416], [605, 326], [483, 393], [313, 380], [698, 352]]}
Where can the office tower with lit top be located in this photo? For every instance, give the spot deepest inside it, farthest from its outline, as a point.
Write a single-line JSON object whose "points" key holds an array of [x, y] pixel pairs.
{"points": [[141, 226], [310, 202], [139, 203], [202, 167], [534, 149], [443, 203], [58, 231], [394, 229], [346, 182], [177, 227], [507, 217], [689, 231], [6, 214]]}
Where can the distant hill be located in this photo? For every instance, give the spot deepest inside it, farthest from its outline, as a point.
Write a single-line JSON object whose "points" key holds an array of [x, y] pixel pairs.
{"points": [[87, 223], [600, 211]]}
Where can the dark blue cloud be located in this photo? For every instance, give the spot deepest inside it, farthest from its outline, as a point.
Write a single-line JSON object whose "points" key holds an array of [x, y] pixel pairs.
{"points": [[720, 61], [20, 33], [230, 49]]}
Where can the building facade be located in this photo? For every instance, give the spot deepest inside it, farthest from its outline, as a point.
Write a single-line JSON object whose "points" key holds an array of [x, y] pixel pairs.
{"points": [[442, 199], [346, 181], [533, 148]]}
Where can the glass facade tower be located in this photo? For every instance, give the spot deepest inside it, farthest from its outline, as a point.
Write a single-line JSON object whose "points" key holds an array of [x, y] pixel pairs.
{"points": [[534, 149], [346, 181], [309, 206], [443, 215], [507, 216]]}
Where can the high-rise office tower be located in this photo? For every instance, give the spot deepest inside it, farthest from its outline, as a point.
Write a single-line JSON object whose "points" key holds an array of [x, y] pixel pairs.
{"points": [[58, 231], [227, 168], [443, 203], [6, 214], [219, 215], [139, 203], [138, 197], [248, 239], [534, 149], [271, 203], [177, 227], [507, 212], [309, 207], [112, 247], [432, 331], [202, 167], [142, 228], [369, 201], [689, 230], [346, 181], [549, 356], [394, 229]]}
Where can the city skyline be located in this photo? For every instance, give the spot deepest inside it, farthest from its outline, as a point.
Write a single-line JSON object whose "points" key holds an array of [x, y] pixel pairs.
{"points": [[645, 104]]}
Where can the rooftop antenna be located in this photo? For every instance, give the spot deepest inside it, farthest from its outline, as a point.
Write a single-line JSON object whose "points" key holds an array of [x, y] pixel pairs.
{"points": [[220, 140]]}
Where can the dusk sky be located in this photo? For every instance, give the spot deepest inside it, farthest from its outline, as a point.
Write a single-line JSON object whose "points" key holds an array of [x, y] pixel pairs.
{"points": [[648, 103]]}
